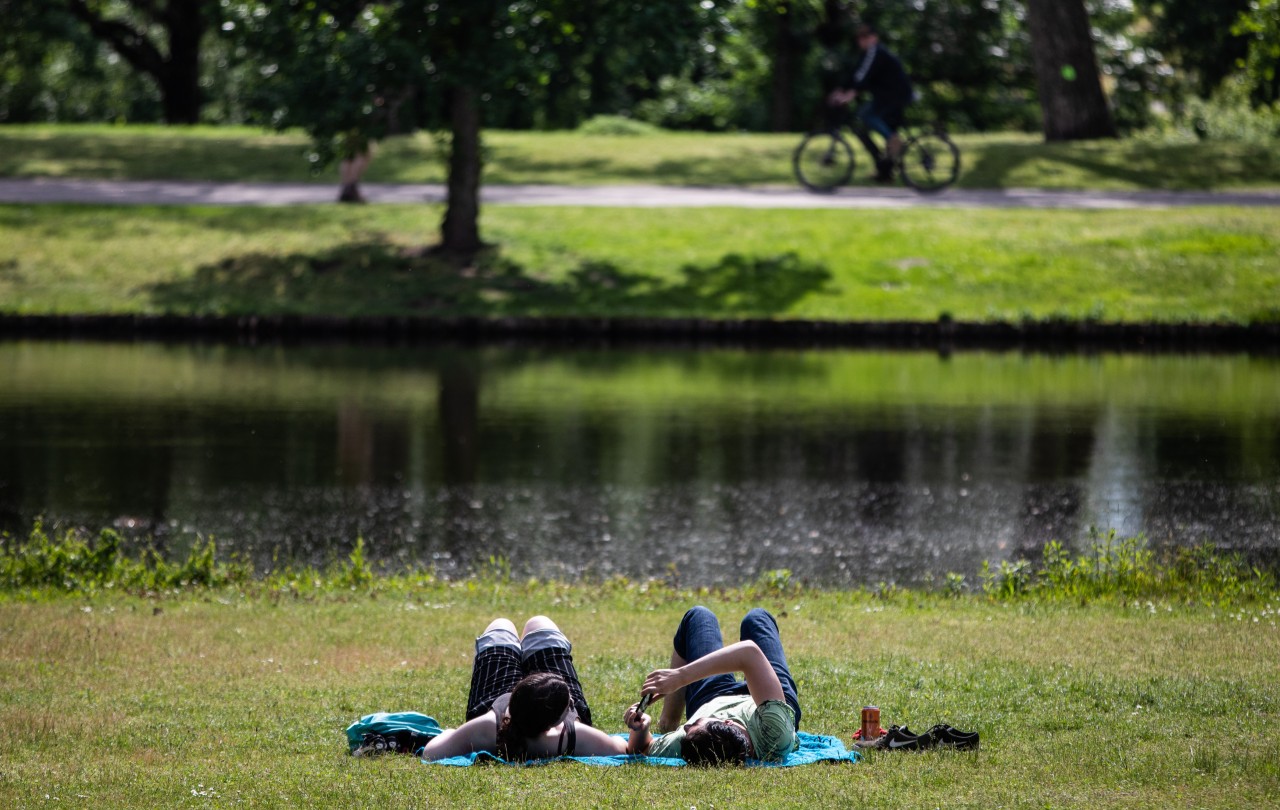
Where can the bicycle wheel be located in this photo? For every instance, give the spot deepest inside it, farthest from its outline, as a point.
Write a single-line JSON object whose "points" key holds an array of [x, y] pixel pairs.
{"points": [[823, 161], [930, 162]]}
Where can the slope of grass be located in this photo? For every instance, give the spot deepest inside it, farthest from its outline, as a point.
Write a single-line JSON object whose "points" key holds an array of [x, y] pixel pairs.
{"points": [[1200, 265], [1002, 160]]}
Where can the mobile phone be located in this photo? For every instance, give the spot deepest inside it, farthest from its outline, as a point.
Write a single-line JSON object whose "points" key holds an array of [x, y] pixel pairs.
{"points": [[645, 700]]}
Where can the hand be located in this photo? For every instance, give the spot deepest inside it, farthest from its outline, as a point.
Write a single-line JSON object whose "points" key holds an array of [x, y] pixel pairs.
{"points": [[635, 720], [662, 682], [838, 98]]}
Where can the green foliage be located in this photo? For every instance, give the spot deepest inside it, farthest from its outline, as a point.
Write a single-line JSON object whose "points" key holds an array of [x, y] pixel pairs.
{"points": [[1228, 115], [355, 573], [71, 562], [1259, 23], [1126, 569], [616, 125], [1196, 37]]}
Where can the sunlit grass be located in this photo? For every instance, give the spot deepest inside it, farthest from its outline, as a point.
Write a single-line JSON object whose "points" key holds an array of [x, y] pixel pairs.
{"points": [[998, 160], [1204, 265], [224, 700]]}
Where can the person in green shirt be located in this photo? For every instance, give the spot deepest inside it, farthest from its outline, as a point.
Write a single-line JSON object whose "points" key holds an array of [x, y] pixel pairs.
{"points": [[729, 720]]}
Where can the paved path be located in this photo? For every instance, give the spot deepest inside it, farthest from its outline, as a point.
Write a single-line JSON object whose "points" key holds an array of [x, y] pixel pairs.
{"points": [[159, 192]]}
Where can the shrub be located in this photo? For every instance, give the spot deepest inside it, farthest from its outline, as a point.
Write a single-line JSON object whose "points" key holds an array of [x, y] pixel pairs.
{"points": [[616, 125]]}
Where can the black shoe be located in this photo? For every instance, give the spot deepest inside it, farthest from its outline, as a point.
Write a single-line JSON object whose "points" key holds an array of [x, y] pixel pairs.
{"points": [[897, 738], [948, 737]]}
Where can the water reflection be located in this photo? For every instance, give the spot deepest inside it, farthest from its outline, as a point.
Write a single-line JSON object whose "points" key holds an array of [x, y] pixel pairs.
{"points": [[709, 466]]}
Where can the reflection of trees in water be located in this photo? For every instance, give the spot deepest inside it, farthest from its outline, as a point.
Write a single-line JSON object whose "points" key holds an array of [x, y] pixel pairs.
{"points": [[459, 440], [857, 494]]}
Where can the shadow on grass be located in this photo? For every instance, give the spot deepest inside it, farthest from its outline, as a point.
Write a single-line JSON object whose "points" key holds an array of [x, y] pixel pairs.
{"points": [[131, 157], [374, 277], [1184, 167]]}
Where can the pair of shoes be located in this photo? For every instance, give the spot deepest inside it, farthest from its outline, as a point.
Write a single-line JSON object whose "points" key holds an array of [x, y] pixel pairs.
{"points": [[897, 738], [947, 736]]}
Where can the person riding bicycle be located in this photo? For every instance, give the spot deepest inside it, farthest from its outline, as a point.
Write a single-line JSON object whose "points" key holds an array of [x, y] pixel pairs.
{"points": [[881, 74]]}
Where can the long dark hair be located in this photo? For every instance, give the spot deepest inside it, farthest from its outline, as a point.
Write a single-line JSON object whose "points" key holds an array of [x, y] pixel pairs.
{"points": [[538, 702], [715, 742]]}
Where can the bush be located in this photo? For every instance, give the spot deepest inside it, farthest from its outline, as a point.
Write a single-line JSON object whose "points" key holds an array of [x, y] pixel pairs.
{"points": [[1228, 116], [616, 125]]}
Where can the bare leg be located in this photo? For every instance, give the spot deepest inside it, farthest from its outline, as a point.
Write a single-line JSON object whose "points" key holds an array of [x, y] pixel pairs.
{"points": [[673, 704], [350, 170], [501, 624], [536, 623]]}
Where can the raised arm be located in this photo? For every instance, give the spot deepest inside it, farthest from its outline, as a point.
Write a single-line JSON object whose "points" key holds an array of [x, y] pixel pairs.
{"points": [[480, 734], [744, 657]]}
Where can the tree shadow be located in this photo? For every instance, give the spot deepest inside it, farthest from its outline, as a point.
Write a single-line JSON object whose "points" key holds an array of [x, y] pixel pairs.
{"points": [[375, 277], [1186, 167]]}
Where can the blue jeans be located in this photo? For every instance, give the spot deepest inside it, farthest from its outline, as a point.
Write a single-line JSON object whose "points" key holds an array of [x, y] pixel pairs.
{"points": [[699, 634], [880, 118]]}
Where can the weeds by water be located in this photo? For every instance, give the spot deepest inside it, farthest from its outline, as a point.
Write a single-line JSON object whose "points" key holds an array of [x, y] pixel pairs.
{"points": [[1116, 569], [1127, 569]]}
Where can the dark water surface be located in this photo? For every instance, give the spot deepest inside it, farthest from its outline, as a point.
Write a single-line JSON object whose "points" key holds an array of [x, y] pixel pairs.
{"points": [[711, 465]]}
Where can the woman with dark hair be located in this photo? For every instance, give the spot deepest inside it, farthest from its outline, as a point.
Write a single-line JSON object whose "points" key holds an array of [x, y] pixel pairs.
{"points": [[526, 701]]}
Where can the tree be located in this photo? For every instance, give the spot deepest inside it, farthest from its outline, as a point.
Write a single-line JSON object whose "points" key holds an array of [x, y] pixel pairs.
{"points": [[1072, 102], [1261, 24], [347, 69], [1197, 37], [159, 38]]}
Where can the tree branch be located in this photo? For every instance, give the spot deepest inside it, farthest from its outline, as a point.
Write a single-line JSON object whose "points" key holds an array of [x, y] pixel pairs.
{"points": [[126, 40]]}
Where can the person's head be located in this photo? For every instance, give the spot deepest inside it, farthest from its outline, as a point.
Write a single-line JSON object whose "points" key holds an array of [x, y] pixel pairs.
{"points": [[715, 742], [538, 702], [867, 35]]}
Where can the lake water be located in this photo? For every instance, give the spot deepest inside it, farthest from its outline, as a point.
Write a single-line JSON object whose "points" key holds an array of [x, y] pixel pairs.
{"points": [[707, 466]]}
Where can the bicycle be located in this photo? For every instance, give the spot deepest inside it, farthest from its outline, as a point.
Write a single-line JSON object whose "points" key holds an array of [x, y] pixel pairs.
{"points": [[824, 160]]}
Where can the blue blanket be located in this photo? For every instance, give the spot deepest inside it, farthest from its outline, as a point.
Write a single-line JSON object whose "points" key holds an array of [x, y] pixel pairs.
{"points": [[813, 748]]}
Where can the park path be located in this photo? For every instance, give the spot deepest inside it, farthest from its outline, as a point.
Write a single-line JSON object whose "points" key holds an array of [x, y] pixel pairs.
{"points": [[167, 192]]}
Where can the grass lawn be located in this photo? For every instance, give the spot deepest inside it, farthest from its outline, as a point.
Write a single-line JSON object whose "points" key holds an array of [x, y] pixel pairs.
{"points": [[214, 699], [1208, 264], [1001, 160]]}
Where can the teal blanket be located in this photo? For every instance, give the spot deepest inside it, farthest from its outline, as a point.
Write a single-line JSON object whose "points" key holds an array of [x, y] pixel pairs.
{"points": [[813, 748]]}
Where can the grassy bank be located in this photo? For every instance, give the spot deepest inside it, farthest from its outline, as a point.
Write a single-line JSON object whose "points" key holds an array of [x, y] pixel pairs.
{"points": [[1003, 160], [1207, 265], [171, 692]]}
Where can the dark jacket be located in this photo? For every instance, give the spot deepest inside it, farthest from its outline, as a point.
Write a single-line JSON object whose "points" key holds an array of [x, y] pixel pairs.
{"points": [[881, 73]]}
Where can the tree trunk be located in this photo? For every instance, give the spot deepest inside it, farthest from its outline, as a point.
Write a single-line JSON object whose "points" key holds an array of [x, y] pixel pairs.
{"points": [[1071, 98], [180, 83], [460, 231], [784, 69]]}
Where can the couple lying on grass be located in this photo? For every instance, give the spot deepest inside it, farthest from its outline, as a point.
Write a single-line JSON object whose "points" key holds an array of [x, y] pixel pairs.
{"points": [[526, 701]]}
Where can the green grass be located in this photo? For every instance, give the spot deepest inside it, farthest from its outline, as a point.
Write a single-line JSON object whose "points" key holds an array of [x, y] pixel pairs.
{"points": [[1003, 160], [221, 700], [1175, 265], [134, 683]]}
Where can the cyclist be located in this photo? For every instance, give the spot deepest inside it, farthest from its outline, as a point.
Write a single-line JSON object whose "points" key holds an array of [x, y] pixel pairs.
{"points": [[881, 74]]}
